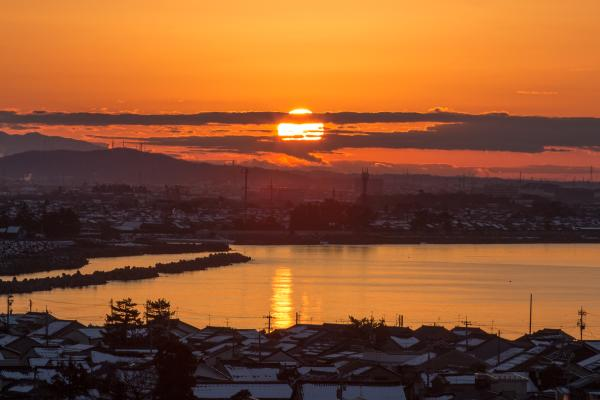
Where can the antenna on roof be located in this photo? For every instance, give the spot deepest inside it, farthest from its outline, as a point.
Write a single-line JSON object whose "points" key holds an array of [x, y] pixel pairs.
{"points": [[530, 310]]}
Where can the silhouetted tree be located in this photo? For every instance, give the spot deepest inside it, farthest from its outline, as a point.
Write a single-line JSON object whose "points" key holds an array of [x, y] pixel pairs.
{"points": [[551, 377], [158, 317], [242, 395], [175, 366], [122, 318], [369, 329], [62, 223], [71, 382], [26, 219]]}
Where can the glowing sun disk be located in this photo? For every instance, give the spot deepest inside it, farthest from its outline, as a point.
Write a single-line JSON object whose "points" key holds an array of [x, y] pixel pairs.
{"points": [[300, 111]]}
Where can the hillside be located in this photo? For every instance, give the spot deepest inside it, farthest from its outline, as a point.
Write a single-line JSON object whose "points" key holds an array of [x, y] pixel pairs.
{"points": [[13, 144], [135, 167]]}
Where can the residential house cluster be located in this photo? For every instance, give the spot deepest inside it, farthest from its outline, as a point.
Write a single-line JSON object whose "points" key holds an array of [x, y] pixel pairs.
{"points": [[311, 362]]}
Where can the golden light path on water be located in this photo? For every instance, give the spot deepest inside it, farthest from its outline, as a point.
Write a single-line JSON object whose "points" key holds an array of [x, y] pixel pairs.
{"points": [[425, 283], [282, 306], [306, 131]]}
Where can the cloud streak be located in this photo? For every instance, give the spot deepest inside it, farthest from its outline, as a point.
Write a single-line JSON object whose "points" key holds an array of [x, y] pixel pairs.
{"points": [[454, 131], [104, 119], [512, 134]]}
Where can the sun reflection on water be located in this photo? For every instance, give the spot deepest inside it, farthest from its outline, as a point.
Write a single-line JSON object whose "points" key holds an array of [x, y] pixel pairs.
{"points": [[282, 307]]}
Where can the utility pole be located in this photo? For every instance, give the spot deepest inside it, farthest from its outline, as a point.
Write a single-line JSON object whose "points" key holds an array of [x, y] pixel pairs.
{"points": [[467, 324], [297, 317], [245, 186], [30, 305], [364, 176], [46, 329], [581, 322], [9, 302], [269, 317], [498, 349], [520, 178], [530, 310], [259, 346], [245, 193]]}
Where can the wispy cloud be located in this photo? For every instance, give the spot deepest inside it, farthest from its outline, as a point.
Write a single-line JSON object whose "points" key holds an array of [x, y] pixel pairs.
{"points": [[537, 92]]}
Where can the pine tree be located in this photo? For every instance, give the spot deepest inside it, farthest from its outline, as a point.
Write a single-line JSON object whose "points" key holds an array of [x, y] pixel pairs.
{"points": [[122, 318], [175, 366], [158, 317], [158, 311]]}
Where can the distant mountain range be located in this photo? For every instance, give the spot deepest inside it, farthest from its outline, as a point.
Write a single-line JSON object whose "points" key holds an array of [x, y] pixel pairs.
{"points": [[135, 167], [13, 144]]}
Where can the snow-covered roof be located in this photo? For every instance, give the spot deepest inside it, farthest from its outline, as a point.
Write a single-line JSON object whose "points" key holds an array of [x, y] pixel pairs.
{"points": [[246, 374], [53, 327], [21, 388], [592, 363], [531, 387], [99, 357], [315, 391], [48, 352], [460, 379], [505, 355], [420, 359], [226, 390], [519, 359], [318, 369], [472, 342], [6, 339], [92, 333], [595, 344], [405, 342], [218, 338]]}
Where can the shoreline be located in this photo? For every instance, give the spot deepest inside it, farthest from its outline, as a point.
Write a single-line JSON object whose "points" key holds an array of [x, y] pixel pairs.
{"points": [[121, 274], [78, 255], [351, 238]]}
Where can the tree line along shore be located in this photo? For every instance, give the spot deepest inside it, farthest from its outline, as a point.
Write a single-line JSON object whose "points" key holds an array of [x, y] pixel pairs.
{"points": [[23, 257], [77, 279]]}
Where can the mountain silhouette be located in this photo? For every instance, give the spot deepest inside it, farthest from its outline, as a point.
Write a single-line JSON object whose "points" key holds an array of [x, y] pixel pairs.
{"points": [[13, 144], [134, 167]]}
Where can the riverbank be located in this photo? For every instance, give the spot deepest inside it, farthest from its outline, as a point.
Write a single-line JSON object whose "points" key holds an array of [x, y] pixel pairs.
{"points": [[23, 257], [79, 280], [351, 238]]}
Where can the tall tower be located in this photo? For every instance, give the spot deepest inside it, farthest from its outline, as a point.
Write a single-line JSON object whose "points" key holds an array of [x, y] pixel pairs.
{"points": [[364, 176], [245, 187]]}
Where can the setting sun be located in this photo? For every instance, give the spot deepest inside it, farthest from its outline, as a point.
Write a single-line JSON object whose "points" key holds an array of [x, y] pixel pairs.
{"points": [[300, 111], [288, 131]]}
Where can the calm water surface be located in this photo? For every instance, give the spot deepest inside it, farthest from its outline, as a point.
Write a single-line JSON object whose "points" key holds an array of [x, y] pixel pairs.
{"points": [[489, 284]]}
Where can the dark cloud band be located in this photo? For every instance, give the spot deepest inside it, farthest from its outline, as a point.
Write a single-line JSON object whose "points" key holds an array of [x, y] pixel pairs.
{"points": [[453, 131]]}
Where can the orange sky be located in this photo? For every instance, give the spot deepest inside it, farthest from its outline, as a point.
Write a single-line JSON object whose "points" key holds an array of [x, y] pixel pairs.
{"points": [[524, 57]]}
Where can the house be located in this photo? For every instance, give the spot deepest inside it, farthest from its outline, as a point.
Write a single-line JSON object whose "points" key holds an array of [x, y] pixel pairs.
{"points": [[88, 335], [335, 391], [260, 391], [57, 329]]}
